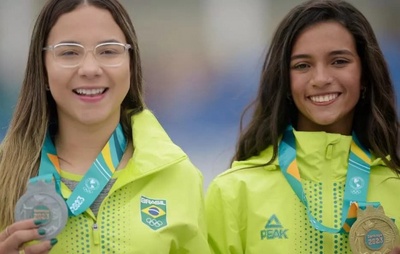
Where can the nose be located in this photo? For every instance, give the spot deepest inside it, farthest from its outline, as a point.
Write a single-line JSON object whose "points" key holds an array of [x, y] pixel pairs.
{"points": [[89, 65], [321, 76]]}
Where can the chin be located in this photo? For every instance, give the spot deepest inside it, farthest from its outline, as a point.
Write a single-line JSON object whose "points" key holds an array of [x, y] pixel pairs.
{"points": [[95, 119]]}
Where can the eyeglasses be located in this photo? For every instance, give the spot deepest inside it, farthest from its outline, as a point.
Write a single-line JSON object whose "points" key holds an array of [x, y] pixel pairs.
{"points": [[70, 55]]}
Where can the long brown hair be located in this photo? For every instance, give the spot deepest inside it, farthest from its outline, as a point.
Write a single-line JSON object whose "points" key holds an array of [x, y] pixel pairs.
{"points": [[375, 121], [36, 109]]}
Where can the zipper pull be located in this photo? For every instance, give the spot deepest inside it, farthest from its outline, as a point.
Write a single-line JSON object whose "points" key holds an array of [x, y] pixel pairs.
{"points": [[96, 234]]}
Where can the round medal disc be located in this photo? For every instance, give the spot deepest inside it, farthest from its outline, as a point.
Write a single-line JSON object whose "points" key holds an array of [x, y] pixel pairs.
{"points": [[42, 202], [373, 232]]}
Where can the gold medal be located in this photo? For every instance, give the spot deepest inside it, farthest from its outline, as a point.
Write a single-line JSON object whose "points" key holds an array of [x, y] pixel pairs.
{"points": [[373, 232]]}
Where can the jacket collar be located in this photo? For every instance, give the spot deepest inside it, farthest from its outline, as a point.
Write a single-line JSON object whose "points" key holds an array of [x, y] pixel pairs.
{"points": [[262, 158], [153, 152], [153, 148]]}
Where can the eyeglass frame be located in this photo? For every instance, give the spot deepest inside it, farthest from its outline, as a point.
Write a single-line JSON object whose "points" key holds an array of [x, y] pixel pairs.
{"points": [[52, 47]]}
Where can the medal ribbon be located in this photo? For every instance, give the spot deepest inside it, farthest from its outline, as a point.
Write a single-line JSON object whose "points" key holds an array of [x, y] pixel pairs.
{"points": [[95, 179], [356, 181]]}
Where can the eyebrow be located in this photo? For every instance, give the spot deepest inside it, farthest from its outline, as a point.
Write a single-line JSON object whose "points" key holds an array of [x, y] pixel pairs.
{"points": [[332, 53]]}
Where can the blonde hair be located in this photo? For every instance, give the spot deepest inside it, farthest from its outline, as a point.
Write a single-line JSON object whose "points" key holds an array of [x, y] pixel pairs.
{"points": [[36, 109]]}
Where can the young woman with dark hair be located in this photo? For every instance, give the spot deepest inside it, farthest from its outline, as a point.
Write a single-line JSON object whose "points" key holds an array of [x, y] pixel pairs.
{"points": [[320, 149]]}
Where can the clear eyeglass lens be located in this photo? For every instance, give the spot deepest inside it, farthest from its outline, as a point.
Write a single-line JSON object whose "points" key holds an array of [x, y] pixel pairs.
{"points": [[105, 54]]}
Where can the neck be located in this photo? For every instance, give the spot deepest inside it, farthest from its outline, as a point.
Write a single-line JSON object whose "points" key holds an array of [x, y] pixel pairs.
{"points": [[344, 129], [78, 146]]}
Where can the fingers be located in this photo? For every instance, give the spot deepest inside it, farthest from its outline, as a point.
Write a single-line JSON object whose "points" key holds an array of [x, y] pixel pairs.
{"points": [[19, 238], [40, 248], [15, 235], [20, 225], [5, 234]]}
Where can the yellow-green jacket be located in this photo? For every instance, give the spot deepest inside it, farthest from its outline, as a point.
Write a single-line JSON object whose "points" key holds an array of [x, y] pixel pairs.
{"points": [[252, 209], [155, 206]]}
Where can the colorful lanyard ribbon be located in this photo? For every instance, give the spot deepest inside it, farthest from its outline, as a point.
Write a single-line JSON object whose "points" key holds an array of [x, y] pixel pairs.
{"points": [[95, 179], [356, 182]]}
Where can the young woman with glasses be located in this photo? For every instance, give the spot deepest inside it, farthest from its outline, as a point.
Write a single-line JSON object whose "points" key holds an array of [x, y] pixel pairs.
{"points": [[84, 166]]}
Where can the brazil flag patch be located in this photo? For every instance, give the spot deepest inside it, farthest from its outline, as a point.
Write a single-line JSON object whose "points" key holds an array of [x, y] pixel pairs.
{"points": [[153, 212]]}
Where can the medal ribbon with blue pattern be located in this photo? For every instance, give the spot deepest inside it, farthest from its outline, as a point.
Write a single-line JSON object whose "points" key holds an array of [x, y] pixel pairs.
{"points": [[95, 179], [356, 182]]}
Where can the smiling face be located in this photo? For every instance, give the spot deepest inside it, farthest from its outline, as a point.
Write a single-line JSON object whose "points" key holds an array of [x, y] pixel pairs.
{"points": [[89, 94], [325, 78]]}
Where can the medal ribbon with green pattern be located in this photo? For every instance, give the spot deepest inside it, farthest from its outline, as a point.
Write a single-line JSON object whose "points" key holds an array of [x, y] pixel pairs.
{"points": [[356, 182], [95, 179]]}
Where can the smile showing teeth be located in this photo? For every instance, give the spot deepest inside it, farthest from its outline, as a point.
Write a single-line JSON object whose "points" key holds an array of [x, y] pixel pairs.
{"points": [[90, 92], [324, 98]]}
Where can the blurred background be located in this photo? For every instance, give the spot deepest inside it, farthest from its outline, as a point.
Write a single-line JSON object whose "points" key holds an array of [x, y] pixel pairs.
{"points": [[201, 62]]}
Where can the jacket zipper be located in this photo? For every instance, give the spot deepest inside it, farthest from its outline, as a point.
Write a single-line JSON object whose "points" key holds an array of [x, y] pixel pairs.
{"points": [[96, 234]]}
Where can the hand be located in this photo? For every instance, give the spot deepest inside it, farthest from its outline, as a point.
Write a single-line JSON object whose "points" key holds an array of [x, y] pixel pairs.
{"points": [[396, 250], [13, 238]]}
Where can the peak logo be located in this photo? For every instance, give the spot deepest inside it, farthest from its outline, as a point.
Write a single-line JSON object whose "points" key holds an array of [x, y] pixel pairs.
{"points": [[273, 229]]}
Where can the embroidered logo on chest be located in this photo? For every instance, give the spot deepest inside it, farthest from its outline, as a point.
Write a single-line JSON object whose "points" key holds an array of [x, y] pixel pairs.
{"points": [[153, 212], [273, 229]]}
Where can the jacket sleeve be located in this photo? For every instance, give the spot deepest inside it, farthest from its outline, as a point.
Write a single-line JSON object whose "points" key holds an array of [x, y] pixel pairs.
{"points": [[198, 244], [193, 231], [224, 230]]}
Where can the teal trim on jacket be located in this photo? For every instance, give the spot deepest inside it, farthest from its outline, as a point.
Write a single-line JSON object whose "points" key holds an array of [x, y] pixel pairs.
{"points": [[252, 209], [155, 206]]}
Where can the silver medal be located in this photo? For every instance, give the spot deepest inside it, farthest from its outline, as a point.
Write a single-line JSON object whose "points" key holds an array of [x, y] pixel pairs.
{"points": [[42, 202]]}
